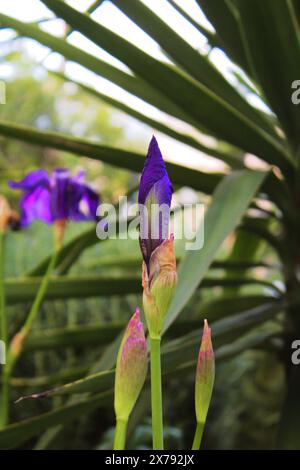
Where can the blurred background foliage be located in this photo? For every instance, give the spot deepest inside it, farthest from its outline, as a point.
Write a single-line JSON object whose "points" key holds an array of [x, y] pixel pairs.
{"points": [[74, 337]]}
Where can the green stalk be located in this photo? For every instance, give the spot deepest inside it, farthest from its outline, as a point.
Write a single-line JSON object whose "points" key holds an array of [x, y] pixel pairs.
{"points": [[156, 395], [3, 320], [3, 331], [4, 402], [39, 296], [198, 436], [19, 339], [120, 434]]}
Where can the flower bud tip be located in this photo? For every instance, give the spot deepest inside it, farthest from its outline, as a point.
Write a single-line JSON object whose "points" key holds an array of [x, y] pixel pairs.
{"points": [[131, 367]]}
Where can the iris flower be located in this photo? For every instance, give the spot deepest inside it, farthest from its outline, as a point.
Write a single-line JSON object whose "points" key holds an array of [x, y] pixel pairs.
{"points": [[59, 197], [159, 267], [155, 195]]}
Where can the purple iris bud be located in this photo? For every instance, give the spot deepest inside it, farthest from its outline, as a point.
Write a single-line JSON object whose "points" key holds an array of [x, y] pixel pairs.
{"points": [[155, 197], [56, 197]]}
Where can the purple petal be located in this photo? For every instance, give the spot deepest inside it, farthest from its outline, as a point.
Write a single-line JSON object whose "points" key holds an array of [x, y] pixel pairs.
{"points": [[60, 182], [79, 177], [57, 198], [91, 199], [154, 171], [155, 190], [83, 201], [32, 180], [35, 205]]}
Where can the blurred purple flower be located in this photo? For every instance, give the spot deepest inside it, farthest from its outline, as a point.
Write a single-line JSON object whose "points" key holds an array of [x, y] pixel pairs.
{"points": [[155, 190], [56, 197]]}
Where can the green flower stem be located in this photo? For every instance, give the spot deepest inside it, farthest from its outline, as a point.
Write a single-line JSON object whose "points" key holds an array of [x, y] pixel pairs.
{"points": [[17, 344], [3, 320], [3, 332], [198, 436], [120, 434], [39, 296], [156, 395]]}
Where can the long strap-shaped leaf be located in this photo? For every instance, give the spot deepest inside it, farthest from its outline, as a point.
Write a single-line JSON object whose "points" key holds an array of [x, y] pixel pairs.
{"points": [[93, 7], [128, 160], [192, 61], [288, 436], [233, 156], [213, 39], [230, 201], [65, 287], [296, 6], [105, 333], [272, 42], [18, 433], [226, 25], [195, 99]]}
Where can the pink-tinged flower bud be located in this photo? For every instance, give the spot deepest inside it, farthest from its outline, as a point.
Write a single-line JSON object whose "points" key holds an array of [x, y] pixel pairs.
{"points": [[131, 369], [205, 375], [159, 283]]}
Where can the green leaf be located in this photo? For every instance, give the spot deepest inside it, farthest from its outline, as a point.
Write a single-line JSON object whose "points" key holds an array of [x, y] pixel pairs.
{"points": [[72, 250], [90, 9], [296, 6], [248, 242], [184, 350], [213, 39], [64, 287], [185, 56], [77, 336], [230, 201], [60, 377], [277, 52], [125, 262], [289, 436], [221, 17], [195, 99], [128, 160], [88, 335], [18, 433], [233, 157]]}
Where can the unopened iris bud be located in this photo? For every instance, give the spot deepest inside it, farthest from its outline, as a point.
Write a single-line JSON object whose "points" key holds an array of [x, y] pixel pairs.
{"points": [[131, 369], [159, 266], [159, 284], [155, 195], [205, 375]]}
